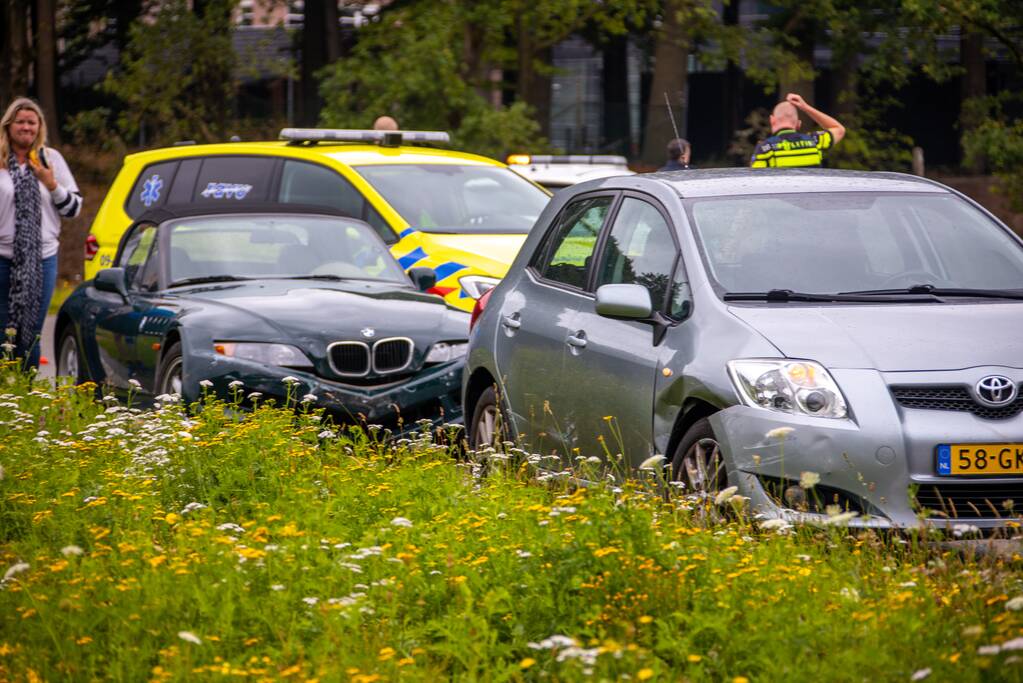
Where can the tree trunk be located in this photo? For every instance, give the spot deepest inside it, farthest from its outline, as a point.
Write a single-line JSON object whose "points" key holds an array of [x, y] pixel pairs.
{"points": [[46, 69], [846, 80], [732, 102], [314, 57], [615, 134], [804, 31], [974, 84], [533, 88], [671, 70], [15, 49]]}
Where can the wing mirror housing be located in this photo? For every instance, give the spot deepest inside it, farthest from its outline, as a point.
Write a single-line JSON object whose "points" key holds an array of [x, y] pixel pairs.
{"points": [[111, 280], [624, 301], [423, 278]]}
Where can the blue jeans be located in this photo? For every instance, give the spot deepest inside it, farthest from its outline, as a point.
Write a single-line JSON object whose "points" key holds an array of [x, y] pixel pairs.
{"points": [[49, 283]]}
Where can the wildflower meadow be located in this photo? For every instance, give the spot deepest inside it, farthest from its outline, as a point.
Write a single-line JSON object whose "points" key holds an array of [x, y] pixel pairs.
{"points": [[271, 545]]}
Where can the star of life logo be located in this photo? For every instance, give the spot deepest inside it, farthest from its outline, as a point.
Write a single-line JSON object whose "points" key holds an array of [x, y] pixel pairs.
{"points": [[226, 191], [151, 190]]}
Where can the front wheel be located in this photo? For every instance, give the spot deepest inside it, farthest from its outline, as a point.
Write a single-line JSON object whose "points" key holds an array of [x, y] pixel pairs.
{"points": [[70, 362], [697, 462], [488, 426], [169, 376]]}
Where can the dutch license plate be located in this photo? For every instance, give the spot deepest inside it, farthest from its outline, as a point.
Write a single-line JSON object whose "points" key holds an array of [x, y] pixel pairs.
{"points": [[980, 458]]}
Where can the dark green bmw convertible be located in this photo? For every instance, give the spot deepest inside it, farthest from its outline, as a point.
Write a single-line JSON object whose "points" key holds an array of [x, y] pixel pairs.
{"points": [[263, 304]]}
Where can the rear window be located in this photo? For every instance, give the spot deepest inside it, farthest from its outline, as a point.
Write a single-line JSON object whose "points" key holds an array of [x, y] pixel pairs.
{"points": [[151, 188], [234, 178]]}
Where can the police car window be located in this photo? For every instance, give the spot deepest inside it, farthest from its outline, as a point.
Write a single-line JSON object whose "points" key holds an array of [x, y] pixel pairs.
{"points": [[136, 250], [225, 179], [639, 250], [184, 182], [573, 241], [151, 188]]}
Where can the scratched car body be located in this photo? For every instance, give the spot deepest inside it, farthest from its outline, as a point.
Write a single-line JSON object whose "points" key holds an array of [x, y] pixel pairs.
{"points": [[831, 343], [299, 305]]}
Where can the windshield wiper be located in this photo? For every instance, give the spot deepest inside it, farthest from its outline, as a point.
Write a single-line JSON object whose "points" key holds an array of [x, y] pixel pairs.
{"points": [[204, 279], [787, 295], [944, 291]]}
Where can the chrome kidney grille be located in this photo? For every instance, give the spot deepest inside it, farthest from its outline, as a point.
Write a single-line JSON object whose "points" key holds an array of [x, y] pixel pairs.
{"points": [[357, 359]]}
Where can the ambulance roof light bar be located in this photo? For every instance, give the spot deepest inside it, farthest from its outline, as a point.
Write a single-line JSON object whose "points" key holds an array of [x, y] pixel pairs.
{"points": [[527, 159], [384, 138]]}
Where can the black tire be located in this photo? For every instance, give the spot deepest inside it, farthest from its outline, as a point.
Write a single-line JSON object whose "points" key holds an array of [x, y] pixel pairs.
{"points": [[697, 461], [169, 375], [70, 361], [488, 425]]}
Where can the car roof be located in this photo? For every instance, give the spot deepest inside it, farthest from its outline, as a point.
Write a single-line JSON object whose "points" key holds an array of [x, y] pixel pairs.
{"points": [[346, 153], [175, 211], [568, 173], [745, 181]]}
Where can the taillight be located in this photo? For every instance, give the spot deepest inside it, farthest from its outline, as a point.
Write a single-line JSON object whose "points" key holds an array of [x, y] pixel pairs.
{"points": [[91, 247], [477, 310]]}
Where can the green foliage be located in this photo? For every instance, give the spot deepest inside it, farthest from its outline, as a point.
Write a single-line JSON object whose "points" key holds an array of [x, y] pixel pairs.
{"points": [[175, 80], [410, 65], [163, 546], [871, 148], [997, 139]]}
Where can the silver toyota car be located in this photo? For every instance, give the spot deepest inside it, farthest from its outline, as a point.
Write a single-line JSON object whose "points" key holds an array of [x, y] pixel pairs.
{"points": [[825, 341]]}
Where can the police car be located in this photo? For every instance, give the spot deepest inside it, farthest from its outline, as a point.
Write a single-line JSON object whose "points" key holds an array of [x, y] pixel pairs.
{"points": [[464, 216], [559, 171]]}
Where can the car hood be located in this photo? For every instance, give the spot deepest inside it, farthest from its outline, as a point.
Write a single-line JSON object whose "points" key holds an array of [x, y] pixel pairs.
{"points": [[486, 253], [893, 337], [326, 311]]}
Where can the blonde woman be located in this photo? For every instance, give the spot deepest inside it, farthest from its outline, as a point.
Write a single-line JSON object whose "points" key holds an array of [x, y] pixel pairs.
{"points": [[36, 191]]}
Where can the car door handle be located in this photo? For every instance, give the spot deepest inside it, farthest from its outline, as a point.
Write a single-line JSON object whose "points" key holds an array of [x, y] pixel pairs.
{"points": [[512, 321], [577, 340]]}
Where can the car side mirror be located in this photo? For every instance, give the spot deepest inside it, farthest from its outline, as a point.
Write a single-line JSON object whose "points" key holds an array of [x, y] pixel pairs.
{"points": [[423, 278], [624, 301], [111, 280]]}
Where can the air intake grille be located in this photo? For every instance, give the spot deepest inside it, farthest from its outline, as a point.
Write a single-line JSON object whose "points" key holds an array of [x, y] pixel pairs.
{"points": [[392, 355], [972, 500], [952, 398], [350, 359]]}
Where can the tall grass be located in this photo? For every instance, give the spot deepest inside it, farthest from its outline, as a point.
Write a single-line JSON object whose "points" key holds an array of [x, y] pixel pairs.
{"points": [[161, 546]]}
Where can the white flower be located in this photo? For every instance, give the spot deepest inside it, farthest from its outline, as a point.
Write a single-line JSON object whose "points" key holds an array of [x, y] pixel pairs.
{"points": [[14, 570], [841, 518], [277, 587], [71, 551], [1015, 605], [189, 637], [232, 527], [725, 495], [964, 529], [651, 463], [310, 398], [254, 395], [920, 674], [135, 383], [401, 521], [205, 383], [1014, 644], [1, 472], [291, 380], [236, 384], [310, 601], [554, 642], [850, 594], [523, 553], [779, 432], [808, 480], [326, 434], [778, 524], [989, 650]]}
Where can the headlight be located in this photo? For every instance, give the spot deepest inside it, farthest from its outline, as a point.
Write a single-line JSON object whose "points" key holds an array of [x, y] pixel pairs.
{"points": [[282, 355], [789, 386], [477, 285], [442, 352]]}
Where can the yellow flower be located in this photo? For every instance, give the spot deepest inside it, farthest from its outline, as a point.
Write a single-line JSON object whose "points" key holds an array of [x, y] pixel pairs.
{"points": [[740, 679], [84, 640], [527, 662], [645, 674], [646, 619], [386, 653], [172, 518], [694, 658]]}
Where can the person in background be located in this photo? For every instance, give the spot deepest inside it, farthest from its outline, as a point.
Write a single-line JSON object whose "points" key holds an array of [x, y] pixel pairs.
{"points": [[787, 147], [679, 151], [385, 123], [36, 191]]}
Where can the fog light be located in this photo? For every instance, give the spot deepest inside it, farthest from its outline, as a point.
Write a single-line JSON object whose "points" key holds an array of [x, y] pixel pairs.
{"points": [[815, 401], [795, 497]]}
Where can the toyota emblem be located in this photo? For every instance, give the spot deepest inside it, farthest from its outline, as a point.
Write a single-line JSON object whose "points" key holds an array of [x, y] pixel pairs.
{"points": [[368, 332], [996, 391]]}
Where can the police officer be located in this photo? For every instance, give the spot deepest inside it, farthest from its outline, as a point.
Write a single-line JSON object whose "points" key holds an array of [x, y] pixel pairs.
{"points": [[679, 151], [787, 147]]}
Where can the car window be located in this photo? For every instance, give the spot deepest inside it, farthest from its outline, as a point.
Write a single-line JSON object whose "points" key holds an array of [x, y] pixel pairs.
{"points": [[257, 246], [571, 244], [151, 188], [639, 250], [225, 179], [456, 198], [147, 276], [136, 250], [183, 188]]}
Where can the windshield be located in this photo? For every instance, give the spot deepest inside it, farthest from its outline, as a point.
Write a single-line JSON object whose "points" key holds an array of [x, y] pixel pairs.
{"points": [[252, 246], [850, 242], [458, 199]]}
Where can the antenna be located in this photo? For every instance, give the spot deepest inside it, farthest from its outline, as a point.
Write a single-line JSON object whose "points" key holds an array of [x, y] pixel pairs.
{"points": [[671, 116]]}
